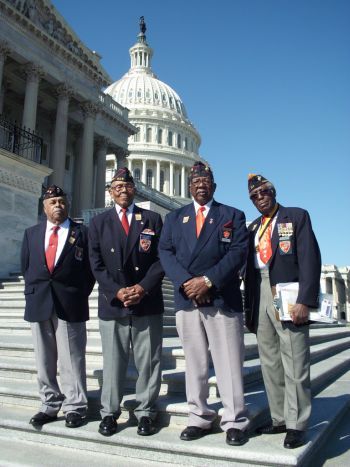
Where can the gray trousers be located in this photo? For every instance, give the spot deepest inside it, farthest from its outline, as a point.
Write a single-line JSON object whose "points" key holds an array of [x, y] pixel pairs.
{"points": [[285, 361], [144, 335], [57, 340], [209, 327]]}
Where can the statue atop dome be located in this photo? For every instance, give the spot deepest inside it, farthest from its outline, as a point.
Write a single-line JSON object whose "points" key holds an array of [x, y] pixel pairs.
{"points": [[143, 28], [142, 25]]}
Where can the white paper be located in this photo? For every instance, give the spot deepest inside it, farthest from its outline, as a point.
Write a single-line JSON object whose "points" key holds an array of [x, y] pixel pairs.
{"points": [[286, 296]]}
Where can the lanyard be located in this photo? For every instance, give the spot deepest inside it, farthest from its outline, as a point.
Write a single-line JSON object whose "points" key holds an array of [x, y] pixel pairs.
{"points": [[263, 228]]}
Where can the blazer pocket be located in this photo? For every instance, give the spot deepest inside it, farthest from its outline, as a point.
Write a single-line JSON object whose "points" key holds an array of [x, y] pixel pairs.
{"points": [[28, 290]]}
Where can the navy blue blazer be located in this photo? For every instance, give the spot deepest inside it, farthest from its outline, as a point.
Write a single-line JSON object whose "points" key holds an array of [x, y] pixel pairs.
{"points": [[295, 258], [67, 289], [218, 253], [119, 261]]}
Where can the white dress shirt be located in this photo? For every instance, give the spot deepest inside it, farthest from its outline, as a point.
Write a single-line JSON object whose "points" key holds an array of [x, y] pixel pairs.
{"points": [[128, 213], [206, 206], [62, 236]]}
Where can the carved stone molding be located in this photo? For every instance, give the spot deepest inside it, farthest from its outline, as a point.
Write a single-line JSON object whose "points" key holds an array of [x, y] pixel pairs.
{"points": [[90, 109], [64, 91], [5, 50], [33, 72], [17, 181], [102, 143]]}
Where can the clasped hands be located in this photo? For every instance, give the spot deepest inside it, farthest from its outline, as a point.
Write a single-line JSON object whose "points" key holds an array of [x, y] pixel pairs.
{"points": [[131, 295], [197, 290]]}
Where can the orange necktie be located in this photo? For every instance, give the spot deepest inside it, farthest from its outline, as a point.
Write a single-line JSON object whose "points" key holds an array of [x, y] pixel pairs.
{"points": [[51, 250], [200, 220], [125, 222], [265, 249]]}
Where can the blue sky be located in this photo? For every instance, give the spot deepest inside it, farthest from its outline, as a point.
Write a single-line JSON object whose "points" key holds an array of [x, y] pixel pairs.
{"points": [[265, 82]]}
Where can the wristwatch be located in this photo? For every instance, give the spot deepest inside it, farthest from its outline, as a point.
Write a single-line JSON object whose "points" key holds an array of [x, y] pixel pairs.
{"points": [[208, 282]]}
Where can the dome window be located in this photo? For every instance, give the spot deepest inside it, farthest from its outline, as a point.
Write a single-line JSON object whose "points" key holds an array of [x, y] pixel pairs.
{"points": [[137, 135], [156, 96], [149, 177], [148, 94], [137, 175], [171, 102], [139, 93], [186, 144], [179, 141], [149, 135], [170, 138], [160, 136], [164, 97]]}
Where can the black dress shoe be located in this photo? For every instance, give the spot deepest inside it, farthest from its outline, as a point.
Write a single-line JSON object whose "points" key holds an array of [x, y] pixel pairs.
{"points": [[108, 426], [294, 439], [193, 432], [146, 426], [236, 437], [41, 418], [271, 429], [73, 420]]}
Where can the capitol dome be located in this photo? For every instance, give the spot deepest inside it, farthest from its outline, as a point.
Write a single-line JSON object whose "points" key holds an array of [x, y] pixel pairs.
{"points": [[166, 144]]}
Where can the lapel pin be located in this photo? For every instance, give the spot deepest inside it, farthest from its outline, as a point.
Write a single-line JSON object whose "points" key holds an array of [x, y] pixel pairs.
{"points": [[71, 240], [138, 216], [112, 250], [185, 219], [211, 221]]}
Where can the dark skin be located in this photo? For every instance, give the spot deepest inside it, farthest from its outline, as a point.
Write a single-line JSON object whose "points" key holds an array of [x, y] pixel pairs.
{"points": [[264, 199], [56, 209], [123, 194], [202, 189]]}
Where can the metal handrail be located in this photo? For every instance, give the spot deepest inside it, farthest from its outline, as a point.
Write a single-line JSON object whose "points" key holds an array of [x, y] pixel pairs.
{"points": [[20, 141]]}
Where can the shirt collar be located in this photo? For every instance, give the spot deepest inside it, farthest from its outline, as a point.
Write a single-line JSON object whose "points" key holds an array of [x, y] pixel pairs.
{"points": [[206, 206], [129, 208], [64, 225]]}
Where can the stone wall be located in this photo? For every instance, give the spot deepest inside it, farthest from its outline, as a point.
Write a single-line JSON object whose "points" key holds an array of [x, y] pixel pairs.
{"points": [[20, 190]]}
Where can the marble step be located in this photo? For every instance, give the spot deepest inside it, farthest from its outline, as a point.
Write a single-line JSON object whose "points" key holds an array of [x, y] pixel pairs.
{"points": [[328, 406], [173, 379]]}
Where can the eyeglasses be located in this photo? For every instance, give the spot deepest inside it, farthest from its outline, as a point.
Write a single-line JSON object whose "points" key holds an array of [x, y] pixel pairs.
{"points": [[263, 193], [120, 188], [201, 181]]}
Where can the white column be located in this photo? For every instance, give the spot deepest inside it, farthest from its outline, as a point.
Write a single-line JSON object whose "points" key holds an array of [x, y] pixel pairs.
{"points": [[57, 162], [86, 159], [144, 171], [183, 182], [34, 73], [158, 176], [130, 165], [171, 179], [101, 154]]}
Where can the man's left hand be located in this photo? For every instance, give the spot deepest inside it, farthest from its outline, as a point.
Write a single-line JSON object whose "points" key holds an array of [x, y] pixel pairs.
{"points": [[196, 288], [299, 313], [135, 295]]}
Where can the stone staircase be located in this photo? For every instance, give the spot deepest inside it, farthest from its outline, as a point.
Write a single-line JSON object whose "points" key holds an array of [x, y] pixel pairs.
{"points": [[19, 400]]}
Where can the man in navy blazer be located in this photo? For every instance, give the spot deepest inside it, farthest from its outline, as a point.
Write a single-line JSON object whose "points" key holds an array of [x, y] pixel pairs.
{"points": [[282, 248], [57, 287], [202, 248], [124, 259]]}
